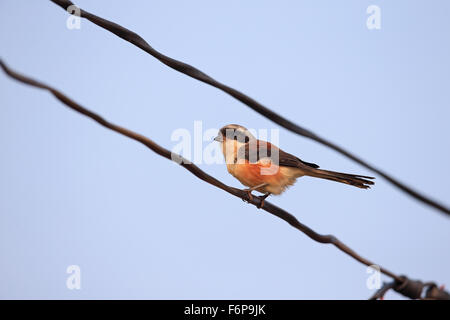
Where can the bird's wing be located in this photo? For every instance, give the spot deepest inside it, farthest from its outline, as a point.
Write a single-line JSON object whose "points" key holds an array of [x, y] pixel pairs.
{"points": [[254, 152]]}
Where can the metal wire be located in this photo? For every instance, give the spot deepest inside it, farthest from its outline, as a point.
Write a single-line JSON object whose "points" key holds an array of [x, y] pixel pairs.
{"points": [[195, 73], [402, 281]]}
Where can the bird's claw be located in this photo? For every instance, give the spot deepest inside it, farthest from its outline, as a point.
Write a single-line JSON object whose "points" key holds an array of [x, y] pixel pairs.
{"points": [[262, 198], [249, 195], [250, 198], [261, 203]]}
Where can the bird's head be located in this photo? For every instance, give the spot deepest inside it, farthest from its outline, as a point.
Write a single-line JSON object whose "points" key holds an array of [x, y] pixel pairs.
{"points": [[231, 138], [234, 132]]}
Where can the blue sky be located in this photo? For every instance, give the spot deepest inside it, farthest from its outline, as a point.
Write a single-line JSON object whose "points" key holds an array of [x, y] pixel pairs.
{"points": [[138, 226]]}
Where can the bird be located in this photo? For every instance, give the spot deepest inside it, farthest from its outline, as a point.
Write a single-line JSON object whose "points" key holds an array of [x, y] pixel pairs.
{"points": [[265, 168]]}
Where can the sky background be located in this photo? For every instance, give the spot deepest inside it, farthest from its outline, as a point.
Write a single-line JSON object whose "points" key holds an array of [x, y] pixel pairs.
{"points": [[141, 227]]}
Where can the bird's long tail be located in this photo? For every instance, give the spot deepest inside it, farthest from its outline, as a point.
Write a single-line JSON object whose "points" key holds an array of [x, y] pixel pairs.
{"points": [[351, 179]]}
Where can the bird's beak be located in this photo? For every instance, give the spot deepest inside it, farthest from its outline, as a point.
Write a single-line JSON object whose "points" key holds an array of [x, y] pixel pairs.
{"points": [[218, 138]]}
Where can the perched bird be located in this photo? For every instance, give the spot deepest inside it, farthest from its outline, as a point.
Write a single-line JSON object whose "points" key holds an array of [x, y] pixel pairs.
{"points": [[263, 167]]}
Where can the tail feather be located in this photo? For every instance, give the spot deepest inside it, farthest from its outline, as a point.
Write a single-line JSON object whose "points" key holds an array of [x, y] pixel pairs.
{"points": [[351, 179]]}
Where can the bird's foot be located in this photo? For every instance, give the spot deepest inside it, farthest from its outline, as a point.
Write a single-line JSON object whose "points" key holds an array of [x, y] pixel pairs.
{"points": [[263, 198], [249, 194]]}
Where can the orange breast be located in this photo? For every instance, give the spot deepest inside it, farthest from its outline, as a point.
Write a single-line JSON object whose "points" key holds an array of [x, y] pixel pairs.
{"points": [[253, 174]]}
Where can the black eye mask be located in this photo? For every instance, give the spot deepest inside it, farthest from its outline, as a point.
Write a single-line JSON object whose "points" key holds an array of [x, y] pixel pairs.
{"points": [[236, 135]]}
